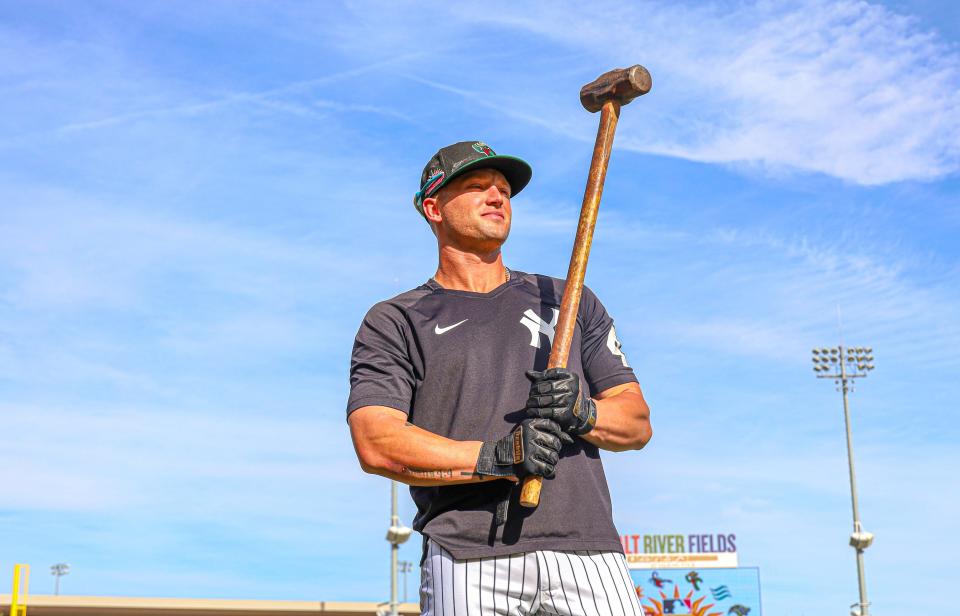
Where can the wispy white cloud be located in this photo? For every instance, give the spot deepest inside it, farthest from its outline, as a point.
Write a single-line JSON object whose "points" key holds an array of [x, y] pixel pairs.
{"points": [[181, 488], [120, 459], [773, 294], [513, 107], [270, 98], [849, 89], [745, 336]]}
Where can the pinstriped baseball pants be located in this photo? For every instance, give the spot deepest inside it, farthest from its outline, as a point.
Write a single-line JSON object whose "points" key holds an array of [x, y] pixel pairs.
{"points": [[540, 582]]}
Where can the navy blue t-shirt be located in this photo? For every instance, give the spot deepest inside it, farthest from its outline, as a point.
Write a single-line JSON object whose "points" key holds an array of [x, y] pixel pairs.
{"points": [[454, 361]]}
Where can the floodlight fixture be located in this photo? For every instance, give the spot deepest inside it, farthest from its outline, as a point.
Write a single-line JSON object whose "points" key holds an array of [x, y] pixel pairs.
{"points": [[861, 540], [398, 534]]}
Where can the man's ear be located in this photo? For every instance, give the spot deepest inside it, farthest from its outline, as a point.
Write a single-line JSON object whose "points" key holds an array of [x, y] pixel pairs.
{"points": [[431, 210]]}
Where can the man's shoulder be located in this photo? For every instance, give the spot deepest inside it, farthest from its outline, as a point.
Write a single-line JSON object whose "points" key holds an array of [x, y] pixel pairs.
{"points": [[401, 303], [547, 287], [552, 288]]}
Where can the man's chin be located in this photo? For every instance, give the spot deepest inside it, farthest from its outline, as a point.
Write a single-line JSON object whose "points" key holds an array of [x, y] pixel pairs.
{"points": [[484, 238], [487, 244], [498, 237], [496, 231]]}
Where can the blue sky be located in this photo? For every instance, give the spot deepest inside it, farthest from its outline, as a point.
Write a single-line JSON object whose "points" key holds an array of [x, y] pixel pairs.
{"points": [[199, 201]]}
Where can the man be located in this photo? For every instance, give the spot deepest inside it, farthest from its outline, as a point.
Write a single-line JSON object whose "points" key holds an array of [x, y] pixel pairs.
{"points": [[449, 394]]}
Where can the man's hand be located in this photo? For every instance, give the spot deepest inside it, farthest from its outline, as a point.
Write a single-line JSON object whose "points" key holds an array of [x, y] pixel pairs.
{"points": [[533, 448], [555, 394]]}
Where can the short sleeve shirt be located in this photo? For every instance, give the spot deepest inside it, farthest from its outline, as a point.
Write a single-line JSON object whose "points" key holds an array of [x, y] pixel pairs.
{"points": [[455, 363]]}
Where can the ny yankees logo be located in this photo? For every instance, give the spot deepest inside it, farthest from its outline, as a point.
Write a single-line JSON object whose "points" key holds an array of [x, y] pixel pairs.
{"points": [[532, 321]]}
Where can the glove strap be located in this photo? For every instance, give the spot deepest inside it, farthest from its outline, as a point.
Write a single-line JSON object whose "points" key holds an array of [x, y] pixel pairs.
{"points": [[585, 411], [502, 508], [497, 458]]}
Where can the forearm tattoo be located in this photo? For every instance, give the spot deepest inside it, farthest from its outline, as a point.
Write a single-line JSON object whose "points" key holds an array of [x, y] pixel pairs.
{"points": [[449, 473], [420, 473]]}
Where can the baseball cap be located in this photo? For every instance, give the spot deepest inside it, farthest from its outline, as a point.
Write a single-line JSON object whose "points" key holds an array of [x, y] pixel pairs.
{"points": [[458, 158]]}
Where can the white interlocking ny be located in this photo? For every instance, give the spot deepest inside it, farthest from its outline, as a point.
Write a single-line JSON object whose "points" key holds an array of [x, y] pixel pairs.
{"points": [[537, 326]]}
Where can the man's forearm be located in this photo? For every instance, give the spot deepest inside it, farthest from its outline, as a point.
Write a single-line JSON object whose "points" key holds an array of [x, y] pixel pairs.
{"points": [[448, 461], [623, 420], [389, 446]]}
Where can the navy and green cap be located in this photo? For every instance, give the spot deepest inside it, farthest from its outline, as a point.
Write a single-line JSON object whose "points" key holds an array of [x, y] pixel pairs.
{"points": [[458, 158]]}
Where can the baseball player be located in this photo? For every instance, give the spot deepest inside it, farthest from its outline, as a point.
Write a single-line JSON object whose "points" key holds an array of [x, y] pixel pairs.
{"points": [[449, 395]]}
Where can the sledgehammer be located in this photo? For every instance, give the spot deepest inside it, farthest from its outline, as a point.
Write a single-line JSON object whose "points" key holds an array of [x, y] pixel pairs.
{"points": [[606, 94]]}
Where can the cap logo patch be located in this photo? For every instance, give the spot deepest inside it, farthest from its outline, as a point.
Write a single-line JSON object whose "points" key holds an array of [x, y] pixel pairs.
{"points": [[483, 148], [433, 183]]}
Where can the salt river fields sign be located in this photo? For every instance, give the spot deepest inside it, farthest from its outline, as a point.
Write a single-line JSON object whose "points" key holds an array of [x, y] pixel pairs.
{"points": [[680, 551], [698, 592]]}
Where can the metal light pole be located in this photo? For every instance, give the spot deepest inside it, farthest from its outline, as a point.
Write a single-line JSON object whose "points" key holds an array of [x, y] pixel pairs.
{"points": [[843, 365], [58, 571], [405, 567], [397, 534]]}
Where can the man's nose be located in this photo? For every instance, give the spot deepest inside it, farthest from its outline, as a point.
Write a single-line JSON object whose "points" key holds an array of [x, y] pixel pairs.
{"points": [[494, 196]]}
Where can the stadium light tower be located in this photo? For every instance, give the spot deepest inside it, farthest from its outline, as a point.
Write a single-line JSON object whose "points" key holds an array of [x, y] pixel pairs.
{"points": [[405, 567], [843, 365], [58, 571], [397, 535]]}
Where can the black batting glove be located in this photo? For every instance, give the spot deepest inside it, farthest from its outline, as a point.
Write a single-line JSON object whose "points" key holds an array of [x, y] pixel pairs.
{"points": [[555, 394], [533, 448]]}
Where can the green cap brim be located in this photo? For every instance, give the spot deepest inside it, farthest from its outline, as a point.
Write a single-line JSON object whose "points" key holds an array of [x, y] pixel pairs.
{"points": [[517, 171]]}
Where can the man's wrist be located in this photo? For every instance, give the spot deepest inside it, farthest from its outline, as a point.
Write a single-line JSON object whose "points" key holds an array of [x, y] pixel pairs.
{"points": [[497, 458], [586, 413]]}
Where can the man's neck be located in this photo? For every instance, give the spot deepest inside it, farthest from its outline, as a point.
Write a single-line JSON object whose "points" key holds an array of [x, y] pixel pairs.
{"points": [[464, 271]]}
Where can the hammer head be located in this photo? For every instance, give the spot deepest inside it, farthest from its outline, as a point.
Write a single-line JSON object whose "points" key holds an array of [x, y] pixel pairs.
{"points": [[621, 85]]}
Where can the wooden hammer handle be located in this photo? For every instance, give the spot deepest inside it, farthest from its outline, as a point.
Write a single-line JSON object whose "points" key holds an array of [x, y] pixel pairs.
{"points": [[570, 304]]}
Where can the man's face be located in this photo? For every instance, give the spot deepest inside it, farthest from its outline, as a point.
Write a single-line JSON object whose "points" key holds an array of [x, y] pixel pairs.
{"points": [[472, 211]]}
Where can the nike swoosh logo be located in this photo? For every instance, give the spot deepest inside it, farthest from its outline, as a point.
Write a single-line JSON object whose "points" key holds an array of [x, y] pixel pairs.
{"points": [[442, 330]]}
